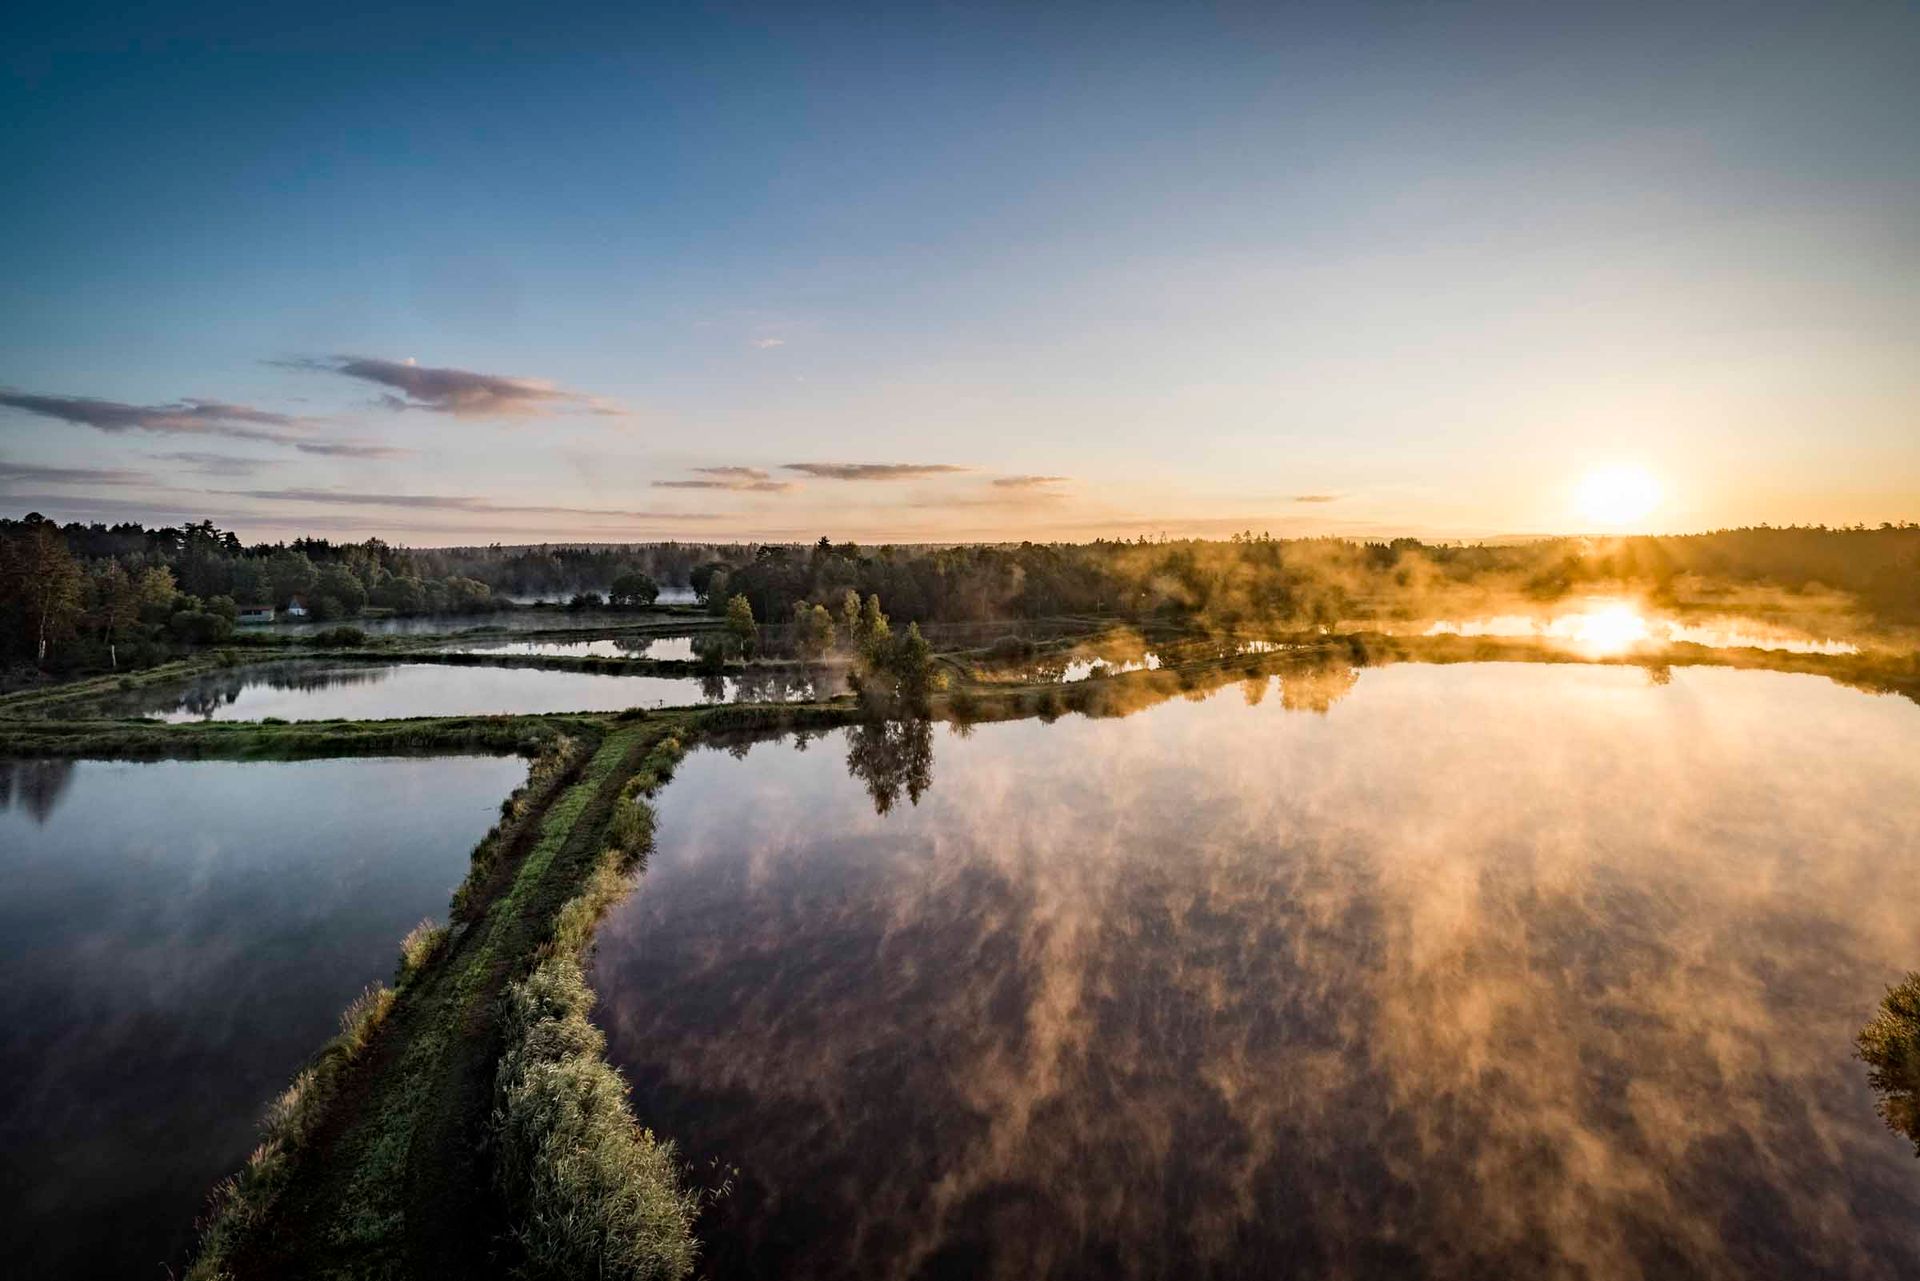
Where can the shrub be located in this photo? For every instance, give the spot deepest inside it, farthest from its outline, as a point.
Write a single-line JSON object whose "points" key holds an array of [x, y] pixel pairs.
{"points": [[1890, 1046], [592, 1193], [1009, 648], [338, 638]]}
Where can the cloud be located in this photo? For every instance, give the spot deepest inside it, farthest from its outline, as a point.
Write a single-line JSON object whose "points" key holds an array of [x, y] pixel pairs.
{"points": [[1316, 498], [764, 343], [351, 449], [209, 464], [460, 392], [1028, 482], [740, 479], [446, 502], [189, 417], [873, 471], [12, 474]]}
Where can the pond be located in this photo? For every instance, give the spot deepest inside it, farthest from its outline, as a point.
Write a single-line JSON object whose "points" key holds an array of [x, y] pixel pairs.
{"points": [[361, 691], [1605, 625], [525, 618], [1464, 971], [176, 939], [658, 648]]}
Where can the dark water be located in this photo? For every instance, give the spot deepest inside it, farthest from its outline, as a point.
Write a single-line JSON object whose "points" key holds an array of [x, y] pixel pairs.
{"points": [[357, 691], [1473, 971], [175, 940]]}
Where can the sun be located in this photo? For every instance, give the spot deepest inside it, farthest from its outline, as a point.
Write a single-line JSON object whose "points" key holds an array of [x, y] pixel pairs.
{"points": [[1617, 496]]}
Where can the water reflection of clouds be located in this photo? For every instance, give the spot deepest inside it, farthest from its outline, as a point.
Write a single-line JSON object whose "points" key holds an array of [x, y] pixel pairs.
{"points": [[175, 939], [1496, 969], [324, 691]]}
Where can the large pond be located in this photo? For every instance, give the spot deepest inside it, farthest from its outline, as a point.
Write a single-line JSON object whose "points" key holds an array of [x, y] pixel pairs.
{"points": [[359, 691], [175, 940], [1472, 971]]}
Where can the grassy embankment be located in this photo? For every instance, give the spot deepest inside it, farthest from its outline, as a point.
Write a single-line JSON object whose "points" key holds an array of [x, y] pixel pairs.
{"points": [[468, 1123]]}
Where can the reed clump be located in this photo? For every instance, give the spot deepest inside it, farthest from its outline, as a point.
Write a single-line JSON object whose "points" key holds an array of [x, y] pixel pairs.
{"points": [[422, 945]]}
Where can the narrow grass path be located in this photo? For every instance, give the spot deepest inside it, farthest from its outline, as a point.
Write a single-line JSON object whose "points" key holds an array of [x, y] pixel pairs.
{"points": [[398, 1185]]}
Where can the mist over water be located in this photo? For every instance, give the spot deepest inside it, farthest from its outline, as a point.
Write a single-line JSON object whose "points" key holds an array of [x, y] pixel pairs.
{"points": [[1441, 972]]}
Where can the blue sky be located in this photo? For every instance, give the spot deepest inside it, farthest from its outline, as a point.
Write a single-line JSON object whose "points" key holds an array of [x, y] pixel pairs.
{"points": [[1422, 266]]}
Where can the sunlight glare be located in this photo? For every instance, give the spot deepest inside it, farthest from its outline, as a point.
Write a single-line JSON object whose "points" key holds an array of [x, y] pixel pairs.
{"points": [[1611, 629], [1617, 496]]}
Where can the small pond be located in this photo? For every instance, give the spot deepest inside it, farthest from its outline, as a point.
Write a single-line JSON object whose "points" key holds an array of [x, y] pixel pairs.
{"points": [[365, 691], [658, 648]]}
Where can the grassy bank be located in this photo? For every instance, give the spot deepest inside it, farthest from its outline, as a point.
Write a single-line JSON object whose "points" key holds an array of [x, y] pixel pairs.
{"points": [[589, 1191], [475, 1128]]}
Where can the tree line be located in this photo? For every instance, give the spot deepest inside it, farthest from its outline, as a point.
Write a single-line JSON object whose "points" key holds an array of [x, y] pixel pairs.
{"points": [[79, 595], [1305, 582]]}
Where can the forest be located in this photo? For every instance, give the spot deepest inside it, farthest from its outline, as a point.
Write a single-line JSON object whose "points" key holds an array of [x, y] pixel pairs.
{"points": [[94, 597]]}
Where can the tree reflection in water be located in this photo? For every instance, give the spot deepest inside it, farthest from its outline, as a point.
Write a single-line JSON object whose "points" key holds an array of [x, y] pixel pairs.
{"points": [[37, 786], [892, 756]]}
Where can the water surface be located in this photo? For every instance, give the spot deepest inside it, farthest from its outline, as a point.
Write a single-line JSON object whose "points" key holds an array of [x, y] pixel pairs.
{"points": [[176, 939], [1606, 625], [1468, 971], [659, 648], [355, 691]]}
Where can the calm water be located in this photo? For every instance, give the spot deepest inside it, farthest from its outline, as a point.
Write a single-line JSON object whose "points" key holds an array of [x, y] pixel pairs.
{"points": [[1602, 625], [660, 648], [1470, 971], [175, 940], [510, 620], [353, 691]]}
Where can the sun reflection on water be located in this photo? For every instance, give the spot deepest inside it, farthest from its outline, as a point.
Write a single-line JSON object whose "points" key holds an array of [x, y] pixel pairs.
{"points": [[1606, 626]]}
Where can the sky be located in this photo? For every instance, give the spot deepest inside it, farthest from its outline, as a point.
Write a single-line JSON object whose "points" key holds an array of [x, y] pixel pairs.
{"points": [[931, 272]]}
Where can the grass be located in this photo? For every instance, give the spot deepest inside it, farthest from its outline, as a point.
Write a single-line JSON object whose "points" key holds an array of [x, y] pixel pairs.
{"points": [[240, 1205]]}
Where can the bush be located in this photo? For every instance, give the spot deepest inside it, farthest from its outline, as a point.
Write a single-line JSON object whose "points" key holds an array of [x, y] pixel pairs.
{"points": [[338, 638], [1890, 1046], [592, 1193], [1010, 648]]}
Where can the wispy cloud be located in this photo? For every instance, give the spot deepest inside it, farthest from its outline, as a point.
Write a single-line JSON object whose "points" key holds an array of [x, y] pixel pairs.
{"points": [[460, 392], [351, 449], [210, 464], [190, 417], [873, 471], [12, 474], [450, 503], [1028, 482], [764, 343], [740, 479], [1316, 498]]}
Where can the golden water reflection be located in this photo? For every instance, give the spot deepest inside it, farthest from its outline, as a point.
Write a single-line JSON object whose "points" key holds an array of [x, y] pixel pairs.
{"points": [[1482, 970], [1607, 626]]}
